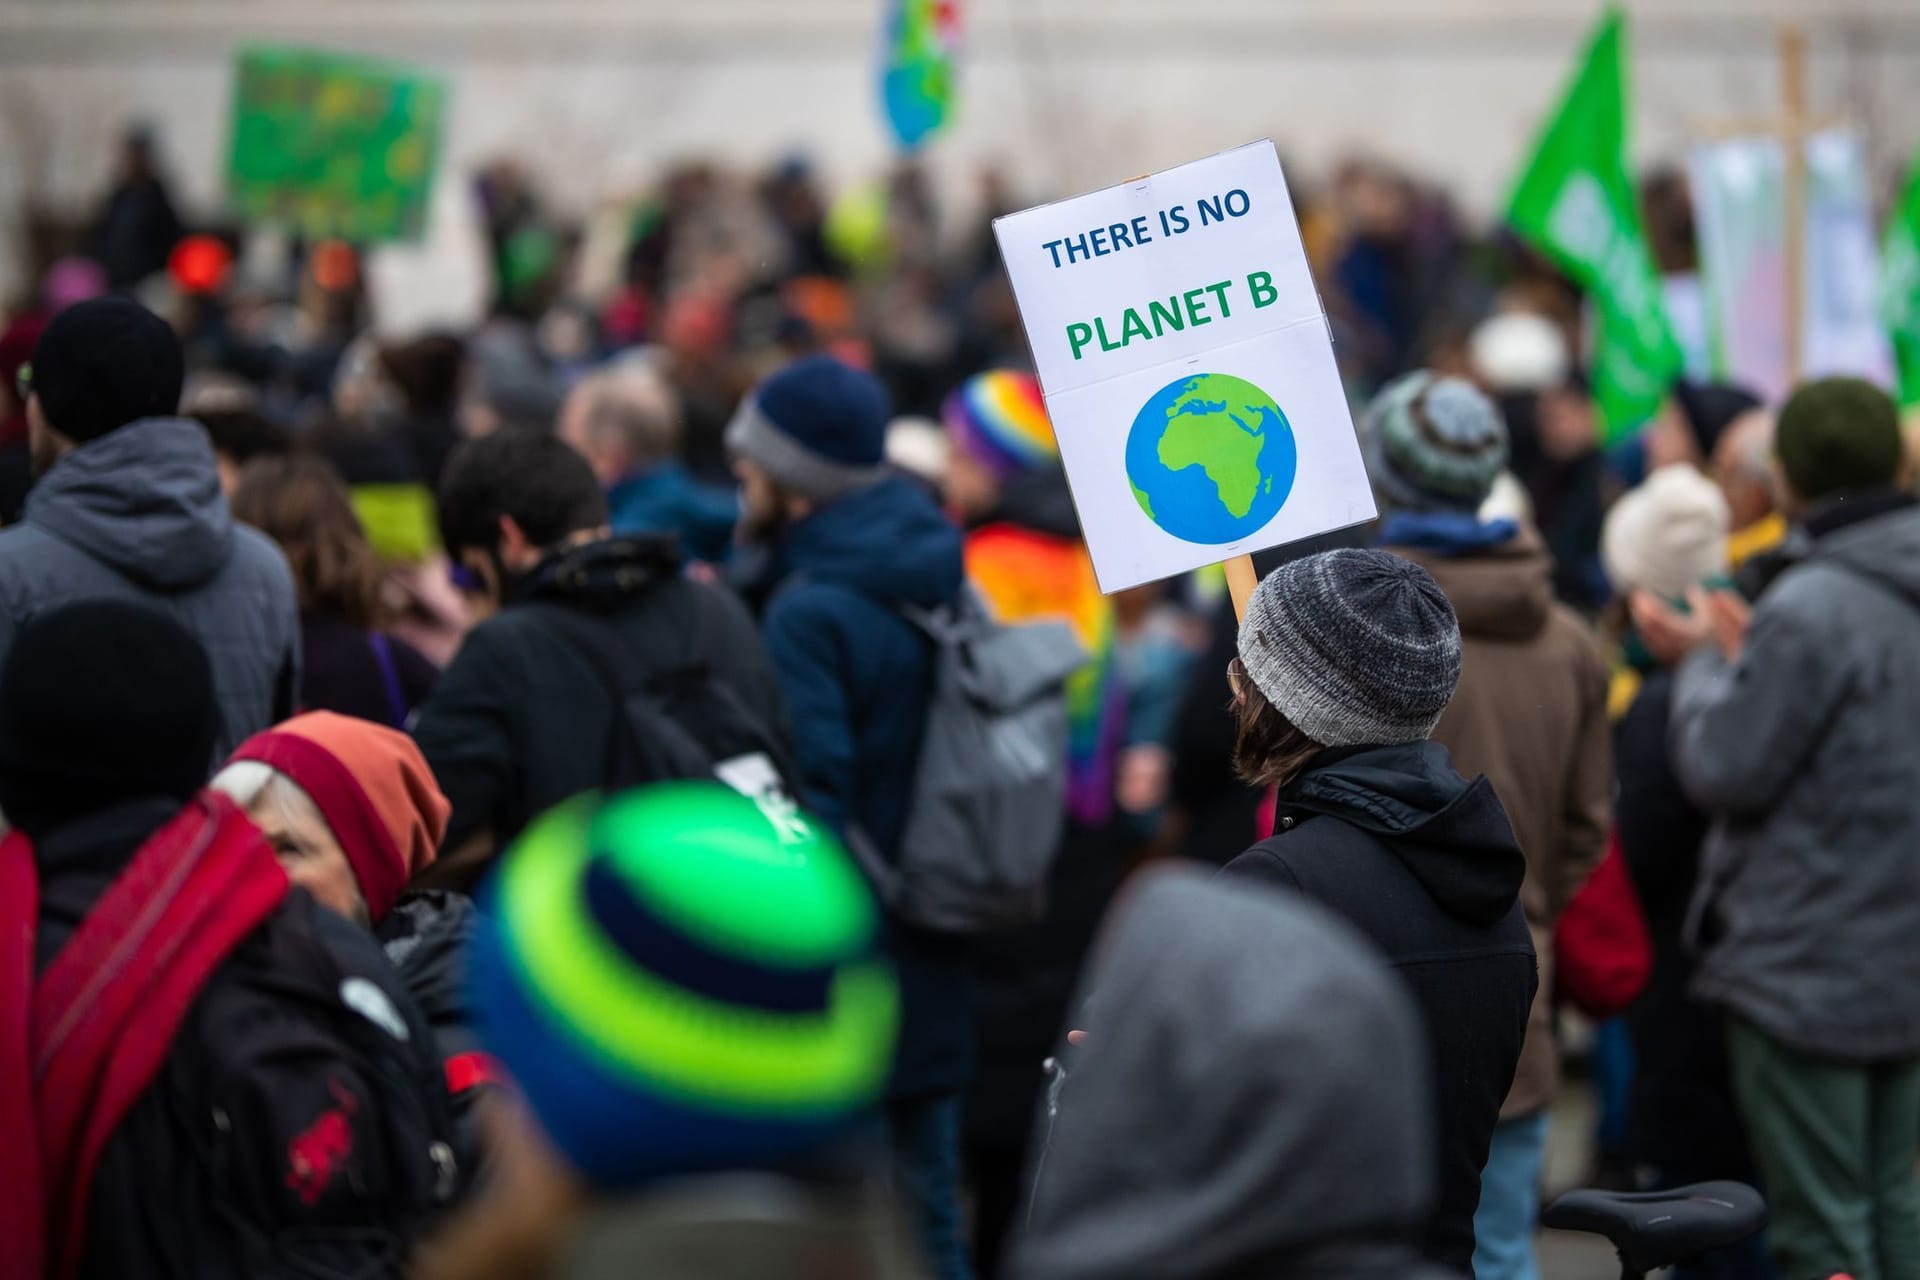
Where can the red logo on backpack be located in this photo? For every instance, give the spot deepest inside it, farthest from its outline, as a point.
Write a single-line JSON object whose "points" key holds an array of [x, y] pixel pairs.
{"points": [[317, 1151]]}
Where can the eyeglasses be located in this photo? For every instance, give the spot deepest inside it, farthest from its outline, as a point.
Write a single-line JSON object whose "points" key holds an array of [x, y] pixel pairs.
{"points": [[23, 383], [1236, 679]]}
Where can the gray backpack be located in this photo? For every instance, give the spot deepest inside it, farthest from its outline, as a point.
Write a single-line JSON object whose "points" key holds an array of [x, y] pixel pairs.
{"points": [[989, 795]]}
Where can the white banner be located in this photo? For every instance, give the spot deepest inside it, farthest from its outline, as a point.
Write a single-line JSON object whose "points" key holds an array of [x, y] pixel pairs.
{"points": [[1187, 367], [1740, 215]]}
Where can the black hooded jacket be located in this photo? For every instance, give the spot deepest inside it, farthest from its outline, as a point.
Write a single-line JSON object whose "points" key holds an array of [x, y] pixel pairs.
{"points": [[1424, 863], [521, 720]]}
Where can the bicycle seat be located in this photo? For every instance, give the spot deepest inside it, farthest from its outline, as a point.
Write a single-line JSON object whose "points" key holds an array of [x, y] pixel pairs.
{"points": [[1655, 1229]]}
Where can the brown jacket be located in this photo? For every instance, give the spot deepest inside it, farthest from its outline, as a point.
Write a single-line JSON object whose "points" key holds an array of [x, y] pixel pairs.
{"points": [[1531, 714]]}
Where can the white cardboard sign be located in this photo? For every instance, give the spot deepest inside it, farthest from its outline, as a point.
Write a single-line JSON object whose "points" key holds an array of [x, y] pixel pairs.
{"points": [[1187, 367]]}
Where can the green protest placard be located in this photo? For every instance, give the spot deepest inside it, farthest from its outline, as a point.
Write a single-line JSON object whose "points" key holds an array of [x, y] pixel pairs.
{"points": [[333, 146]]}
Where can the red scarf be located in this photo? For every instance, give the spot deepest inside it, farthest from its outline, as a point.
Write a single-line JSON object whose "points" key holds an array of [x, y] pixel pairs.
{"points": [[80, 1045]]}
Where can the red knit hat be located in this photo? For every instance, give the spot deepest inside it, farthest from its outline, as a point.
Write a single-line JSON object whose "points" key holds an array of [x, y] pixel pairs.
{"points": [[372, 786]]}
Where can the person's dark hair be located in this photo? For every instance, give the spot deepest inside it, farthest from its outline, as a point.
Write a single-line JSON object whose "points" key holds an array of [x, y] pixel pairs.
{"points": [[1666, 203], [243, 434], [427, 371], [1269, 750], [532, 476], [300, 503]]}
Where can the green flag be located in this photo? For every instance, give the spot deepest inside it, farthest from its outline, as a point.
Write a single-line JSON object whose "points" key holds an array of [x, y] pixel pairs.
{"points": [[1575, 203], [332, 145], [1900, 285]]}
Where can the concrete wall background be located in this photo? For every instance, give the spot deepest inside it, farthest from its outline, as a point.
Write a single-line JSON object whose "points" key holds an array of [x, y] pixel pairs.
{"points": [[1069, 93]]}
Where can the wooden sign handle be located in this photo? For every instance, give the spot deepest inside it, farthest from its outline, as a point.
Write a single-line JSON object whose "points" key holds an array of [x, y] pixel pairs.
{"points": [[1241, 580]]}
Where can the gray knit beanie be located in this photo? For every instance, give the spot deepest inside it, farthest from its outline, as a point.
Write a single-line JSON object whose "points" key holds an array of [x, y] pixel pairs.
{"points": [[1356, 648], [1434, 444]]}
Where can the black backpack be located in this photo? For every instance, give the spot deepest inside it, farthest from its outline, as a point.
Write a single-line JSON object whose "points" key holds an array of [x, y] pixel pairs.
{"points": [[677, 720], [313, 1092]]}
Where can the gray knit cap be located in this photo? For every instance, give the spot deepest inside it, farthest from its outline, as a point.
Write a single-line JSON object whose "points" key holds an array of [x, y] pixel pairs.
{"points": [[1356, 648], [1434, 444]]}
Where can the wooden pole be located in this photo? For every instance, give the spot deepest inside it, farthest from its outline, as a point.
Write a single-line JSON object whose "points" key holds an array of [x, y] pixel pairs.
{"points": [[1241, 580], [1793, 83]]}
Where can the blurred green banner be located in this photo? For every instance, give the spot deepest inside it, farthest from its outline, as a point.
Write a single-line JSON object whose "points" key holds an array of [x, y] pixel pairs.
{"points": [[1576, 204], [333, 146], [1900, 287]]}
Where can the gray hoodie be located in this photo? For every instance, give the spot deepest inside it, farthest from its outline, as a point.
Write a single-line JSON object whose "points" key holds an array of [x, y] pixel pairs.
{"points": [[138, 514], [1806, 753], [1251, 1100]]}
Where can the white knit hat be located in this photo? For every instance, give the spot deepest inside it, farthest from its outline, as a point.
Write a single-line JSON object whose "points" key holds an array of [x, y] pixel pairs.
{"points": [[1518, 351], [1668, 535]]}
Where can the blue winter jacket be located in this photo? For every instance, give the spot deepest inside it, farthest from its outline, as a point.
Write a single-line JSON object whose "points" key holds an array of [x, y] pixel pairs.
{"points": [[857, 678], [667, 499]]}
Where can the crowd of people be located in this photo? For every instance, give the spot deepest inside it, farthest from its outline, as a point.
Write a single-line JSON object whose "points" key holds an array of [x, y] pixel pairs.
{"points": [[467, 809]]}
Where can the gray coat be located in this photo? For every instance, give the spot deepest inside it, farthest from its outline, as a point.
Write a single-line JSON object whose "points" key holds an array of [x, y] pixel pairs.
{"points": [[138, 514], [1252, 1099], [1807, 914]]}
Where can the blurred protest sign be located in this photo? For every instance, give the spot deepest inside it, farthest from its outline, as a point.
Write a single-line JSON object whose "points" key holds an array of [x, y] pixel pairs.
{"points": [[1576, 203], [1187, 367], [1740, 202], [1900, 284], [920, 39], [328, 145]]}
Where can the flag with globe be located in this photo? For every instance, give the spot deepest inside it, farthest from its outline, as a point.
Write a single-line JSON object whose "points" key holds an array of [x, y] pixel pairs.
{"points": [[1211, 458]]}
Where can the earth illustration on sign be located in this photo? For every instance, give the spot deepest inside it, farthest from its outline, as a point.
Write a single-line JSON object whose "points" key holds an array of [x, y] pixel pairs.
{"points": [[1211, 458]]}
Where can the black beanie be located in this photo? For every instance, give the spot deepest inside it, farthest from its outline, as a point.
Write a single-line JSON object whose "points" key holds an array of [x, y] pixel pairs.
{"points": [[1837, 434], [103, 364], [1710, 408], [101, 702]]}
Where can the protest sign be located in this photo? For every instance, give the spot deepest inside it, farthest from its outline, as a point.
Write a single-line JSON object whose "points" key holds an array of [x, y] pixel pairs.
{"points": [[332, 146], [1739, 194], [1187, 367]]}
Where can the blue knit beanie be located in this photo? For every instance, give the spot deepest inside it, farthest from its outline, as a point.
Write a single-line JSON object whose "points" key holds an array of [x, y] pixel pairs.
{"points": [[818, 428], [1434, 444], [682, 980]]}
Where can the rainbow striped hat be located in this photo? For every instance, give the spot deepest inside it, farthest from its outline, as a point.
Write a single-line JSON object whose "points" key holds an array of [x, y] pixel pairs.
{"points": [[681, 981], [1000, 421]]}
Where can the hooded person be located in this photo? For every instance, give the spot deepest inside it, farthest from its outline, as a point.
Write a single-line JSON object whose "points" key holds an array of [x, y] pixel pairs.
{"points": [[158, 968], [1530, 713], [1025, 555], [128, 506], [689, 989], [1793, 726], [1347, 661], [1251, 1100], [833, 547]]}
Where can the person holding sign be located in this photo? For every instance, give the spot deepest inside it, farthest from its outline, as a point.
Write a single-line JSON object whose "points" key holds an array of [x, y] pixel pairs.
{"points": [[1347, 661]]}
